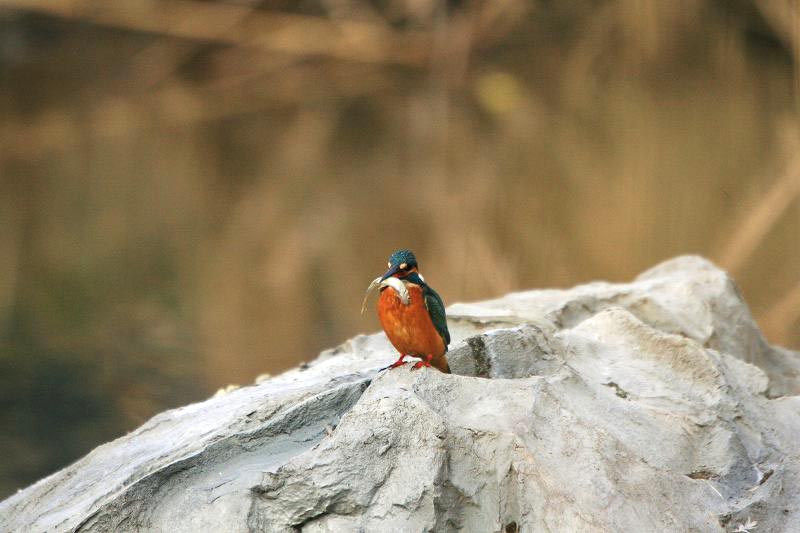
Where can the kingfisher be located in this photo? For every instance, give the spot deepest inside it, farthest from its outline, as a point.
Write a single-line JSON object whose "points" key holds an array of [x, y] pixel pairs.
{"points": [[411, 313]]}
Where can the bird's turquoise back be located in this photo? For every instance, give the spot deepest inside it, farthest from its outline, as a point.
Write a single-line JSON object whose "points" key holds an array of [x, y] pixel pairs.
{"points": [[435, 306]]}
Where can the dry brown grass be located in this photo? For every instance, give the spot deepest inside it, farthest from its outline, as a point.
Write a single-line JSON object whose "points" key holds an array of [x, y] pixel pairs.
{"points": [[768, 207]]}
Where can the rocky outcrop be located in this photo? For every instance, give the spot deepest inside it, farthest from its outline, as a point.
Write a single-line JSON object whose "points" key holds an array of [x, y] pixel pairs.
{"points": [[650, 406]]}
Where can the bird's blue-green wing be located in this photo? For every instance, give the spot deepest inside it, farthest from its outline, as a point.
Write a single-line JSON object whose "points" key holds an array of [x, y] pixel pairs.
{"points": [[435, 307]]}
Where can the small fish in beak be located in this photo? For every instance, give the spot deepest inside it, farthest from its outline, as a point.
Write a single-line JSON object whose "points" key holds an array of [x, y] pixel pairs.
{"points": [[383, 281], [399, 287], [372, 286]]}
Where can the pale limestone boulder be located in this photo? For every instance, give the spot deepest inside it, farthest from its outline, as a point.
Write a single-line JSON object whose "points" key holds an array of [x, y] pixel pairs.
{"points": [[655, 405]]}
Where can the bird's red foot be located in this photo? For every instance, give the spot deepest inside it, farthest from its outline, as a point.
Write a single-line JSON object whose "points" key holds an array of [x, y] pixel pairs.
{"points": [[420, 364], [397, 363]]}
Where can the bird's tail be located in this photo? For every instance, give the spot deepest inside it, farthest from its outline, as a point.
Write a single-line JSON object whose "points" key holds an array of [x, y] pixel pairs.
{"points": [[442, 364]]}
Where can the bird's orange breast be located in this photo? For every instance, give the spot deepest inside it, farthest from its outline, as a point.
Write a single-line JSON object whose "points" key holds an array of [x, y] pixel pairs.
{"points": [[409, 327]]}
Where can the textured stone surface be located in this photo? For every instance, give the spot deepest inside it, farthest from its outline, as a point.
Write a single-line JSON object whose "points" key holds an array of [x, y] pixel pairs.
{"points": [[650, 406]]}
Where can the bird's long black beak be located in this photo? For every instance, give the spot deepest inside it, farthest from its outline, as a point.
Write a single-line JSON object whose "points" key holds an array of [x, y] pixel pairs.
{"points": [[391, 272]]}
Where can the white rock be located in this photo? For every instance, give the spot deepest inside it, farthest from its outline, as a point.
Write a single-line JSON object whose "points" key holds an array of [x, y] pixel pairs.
{"points": [[650, 406]]}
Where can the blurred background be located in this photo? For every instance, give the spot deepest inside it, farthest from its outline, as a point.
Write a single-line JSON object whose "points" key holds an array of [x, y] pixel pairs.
{"points": [[195, 192]]}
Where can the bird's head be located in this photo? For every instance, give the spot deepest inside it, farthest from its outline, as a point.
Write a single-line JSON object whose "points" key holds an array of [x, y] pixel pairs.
{"points": [[401, 264]]}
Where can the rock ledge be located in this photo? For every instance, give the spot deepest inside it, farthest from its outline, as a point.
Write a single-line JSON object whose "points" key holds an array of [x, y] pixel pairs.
{"points": [[655, 405]]}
